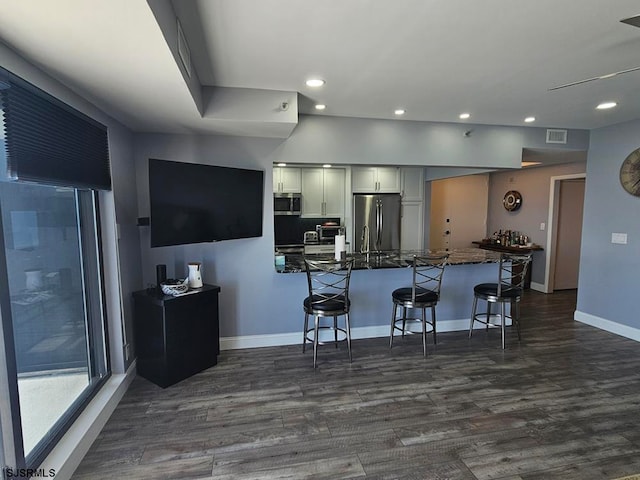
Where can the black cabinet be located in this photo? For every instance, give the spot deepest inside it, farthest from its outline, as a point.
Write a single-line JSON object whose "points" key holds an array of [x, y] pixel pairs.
{"points": [[176, 337]]}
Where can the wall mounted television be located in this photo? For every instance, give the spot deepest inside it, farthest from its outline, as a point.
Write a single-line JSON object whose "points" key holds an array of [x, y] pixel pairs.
{"points": [[194, 203]]}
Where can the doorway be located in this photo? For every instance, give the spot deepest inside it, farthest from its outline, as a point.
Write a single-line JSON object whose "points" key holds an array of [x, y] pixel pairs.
{"points": [[458, 211], [564, 236]]}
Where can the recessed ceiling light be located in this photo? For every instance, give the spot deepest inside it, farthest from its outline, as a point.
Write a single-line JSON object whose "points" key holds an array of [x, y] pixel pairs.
{"points": [[282, 164], [606, 105], [530, 119], [464, 116], [530, 164], [400, 111], [320, 106], [315, 82], [326, 165]]}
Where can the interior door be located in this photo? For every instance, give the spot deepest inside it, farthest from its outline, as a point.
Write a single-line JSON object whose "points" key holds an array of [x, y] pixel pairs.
{"points": [[570, 209]]}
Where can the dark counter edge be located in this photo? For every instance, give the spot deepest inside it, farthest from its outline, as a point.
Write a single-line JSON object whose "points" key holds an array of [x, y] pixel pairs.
{"points": [[402, 259]]}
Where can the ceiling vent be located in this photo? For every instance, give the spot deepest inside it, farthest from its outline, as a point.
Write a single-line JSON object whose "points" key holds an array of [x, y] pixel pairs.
{"points": [[556, 136], [183, 51]]}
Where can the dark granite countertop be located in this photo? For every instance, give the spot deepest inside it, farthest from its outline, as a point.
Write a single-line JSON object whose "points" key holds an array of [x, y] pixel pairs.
{"points": [[394, 259]]}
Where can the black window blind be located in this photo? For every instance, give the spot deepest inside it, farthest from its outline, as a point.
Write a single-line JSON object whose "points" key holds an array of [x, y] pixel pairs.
{"points": [[50, 142]]}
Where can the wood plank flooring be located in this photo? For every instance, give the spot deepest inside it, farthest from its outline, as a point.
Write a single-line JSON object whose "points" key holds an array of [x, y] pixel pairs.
{"points": [[562, 404]]}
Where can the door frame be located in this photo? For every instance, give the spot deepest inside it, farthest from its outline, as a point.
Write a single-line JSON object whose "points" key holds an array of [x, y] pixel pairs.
{"points": [[552, 227]]}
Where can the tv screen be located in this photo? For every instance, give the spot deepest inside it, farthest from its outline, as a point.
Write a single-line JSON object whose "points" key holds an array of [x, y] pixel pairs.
{"points": [[193, 203]]}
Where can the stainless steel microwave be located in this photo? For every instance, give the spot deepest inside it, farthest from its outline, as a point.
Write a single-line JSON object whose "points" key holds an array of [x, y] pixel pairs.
{"points": [[287, 203]]}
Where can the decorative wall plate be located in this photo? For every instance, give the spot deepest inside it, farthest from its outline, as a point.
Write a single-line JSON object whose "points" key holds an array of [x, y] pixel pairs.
{"points": [[512, 200]]}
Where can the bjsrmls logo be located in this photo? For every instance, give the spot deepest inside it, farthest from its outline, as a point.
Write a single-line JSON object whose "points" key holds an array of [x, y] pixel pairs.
{"points": [[29, 472]]}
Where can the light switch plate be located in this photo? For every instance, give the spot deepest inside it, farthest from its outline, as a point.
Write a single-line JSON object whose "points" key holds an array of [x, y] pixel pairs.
{"points": [[620, 238], [543, 226]]}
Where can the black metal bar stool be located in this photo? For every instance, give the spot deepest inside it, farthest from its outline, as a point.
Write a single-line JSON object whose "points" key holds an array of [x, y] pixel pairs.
{"points": [[511, 277], [328, 282], [422, 294]]}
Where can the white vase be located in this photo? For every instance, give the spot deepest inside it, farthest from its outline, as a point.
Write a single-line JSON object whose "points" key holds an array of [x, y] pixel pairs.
{"points": [[195, 275]]}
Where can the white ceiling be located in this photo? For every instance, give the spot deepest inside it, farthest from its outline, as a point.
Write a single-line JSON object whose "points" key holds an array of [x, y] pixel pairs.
{"points": [[496, 59]]}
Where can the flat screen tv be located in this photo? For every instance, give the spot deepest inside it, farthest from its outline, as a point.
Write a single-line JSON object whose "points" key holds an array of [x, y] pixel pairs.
{"points": [[194, 203]]}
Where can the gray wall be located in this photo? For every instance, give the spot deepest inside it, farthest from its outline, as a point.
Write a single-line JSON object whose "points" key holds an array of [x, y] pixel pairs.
{"points": [[126, 215], [608, 283], [533, 184], [243, 268]]}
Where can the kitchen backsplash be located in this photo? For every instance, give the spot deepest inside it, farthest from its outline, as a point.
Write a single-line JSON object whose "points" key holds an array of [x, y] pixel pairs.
{"points": [[289, 230]]}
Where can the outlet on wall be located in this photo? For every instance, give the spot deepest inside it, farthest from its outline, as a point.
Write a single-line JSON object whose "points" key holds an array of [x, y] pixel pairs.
{"points": [[543, 226], [620, 238]]}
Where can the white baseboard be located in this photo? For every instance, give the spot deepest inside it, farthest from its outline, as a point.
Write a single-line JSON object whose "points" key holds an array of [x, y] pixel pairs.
{"points": [[255, 341], [295, 338], [75, 443], [538, 287], [607, 325]]}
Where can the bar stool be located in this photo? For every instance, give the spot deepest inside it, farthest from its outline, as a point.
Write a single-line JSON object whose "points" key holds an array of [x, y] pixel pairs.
{"points": [[422, 294], [328, 282], [511, 276]]}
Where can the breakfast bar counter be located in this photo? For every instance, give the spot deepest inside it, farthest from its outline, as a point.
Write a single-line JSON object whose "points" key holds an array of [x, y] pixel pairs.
{"points": [[375, 276], [394, 259]]}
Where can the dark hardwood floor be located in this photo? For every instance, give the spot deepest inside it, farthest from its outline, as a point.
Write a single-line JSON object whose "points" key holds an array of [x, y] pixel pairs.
{"points": [[562, 404]]}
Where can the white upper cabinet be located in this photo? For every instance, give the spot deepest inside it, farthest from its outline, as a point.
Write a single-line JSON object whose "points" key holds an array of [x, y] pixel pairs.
{"points": [[412, 184], [287, 180], [375, 180], [323, 192], [334, 179]]}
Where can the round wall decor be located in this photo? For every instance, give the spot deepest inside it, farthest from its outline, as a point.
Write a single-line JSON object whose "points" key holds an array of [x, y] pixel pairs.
{"points": [[630, 173], [512, 200]]}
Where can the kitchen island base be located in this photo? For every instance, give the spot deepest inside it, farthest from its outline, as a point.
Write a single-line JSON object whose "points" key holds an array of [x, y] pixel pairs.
{"points": [[373, 280]]}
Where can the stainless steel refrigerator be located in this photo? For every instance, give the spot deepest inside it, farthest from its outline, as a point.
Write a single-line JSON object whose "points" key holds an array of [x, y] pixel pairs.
{"points": [[376, 222]]}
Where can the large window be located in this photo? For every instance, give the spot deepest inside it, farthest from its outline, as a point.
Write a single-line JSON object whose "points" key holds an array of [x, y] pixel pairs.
{"points": [[52, 329], [54, 304]]}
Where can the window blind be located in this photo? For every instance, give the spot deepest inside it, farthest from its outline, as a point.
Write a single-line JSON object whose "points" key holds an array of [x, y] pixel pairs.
{"points": [[49, 142]]}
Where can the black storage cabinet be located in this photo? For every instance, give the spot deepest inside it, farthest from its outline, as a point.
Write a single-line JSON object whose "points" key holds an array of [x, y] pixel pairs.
{"points": [[176, 337]]}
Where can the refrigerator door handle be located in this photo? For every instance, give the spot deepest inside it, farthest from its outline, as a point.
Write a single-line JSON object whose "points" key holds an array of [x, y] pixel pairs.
{"points": [[379, 225]]}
